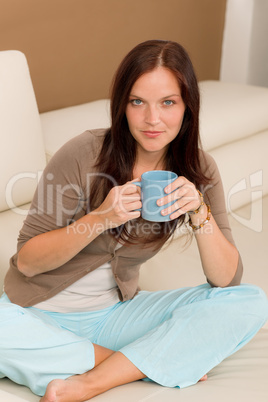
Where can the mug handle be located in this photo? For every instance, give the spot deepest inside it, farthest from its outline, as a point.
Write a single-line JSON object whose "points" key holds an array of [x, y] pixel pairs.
{"points": [[137, 183]]}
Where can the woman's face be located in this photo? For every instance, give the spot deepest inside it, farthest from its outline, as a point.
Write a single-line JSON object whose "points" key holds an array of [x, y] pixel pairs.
{"points": [[155, 111]]}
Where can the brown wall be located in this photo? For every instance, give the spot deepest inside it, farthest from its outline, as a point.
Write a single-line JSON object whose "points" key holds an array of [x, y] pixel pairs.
{"points": [[74, 46]]}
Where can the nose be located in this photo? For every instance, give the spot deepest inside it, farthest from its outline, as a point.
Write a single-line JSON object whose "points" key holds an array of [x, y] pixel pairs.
{"points": [[152, 115]]}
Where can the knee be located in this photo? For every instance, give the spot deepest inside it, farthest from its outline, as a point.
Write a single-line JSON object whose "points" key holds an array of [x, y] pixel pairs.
{"points": [[256, 301], [245, 300]]}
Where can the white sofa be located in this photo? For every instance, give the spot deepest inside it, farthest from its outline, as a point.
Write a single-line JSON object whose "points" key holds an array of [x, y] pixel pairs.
{"points": [[234, 129]]}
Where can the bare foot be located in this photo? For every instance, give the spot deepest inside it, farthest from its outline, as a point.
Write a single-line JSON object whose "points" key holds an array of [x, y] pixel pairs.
{"points": [[73, 389], [77, 388]]}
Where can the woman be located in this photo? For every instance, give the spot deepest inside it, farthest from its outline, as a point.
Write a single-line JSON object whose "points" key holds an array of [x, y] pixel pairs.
{"points": [[72, 288]]}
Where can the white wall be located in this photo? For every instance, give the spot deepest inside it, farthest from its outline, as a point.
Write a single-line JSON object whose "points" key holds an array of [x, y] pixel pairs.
{"points": [[245, 42]]}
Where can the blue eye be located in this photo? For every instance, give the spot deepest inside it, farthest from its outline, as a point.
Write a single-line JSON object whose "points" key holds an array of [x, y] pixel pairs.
{"points": [[136, 102], [168, 102]]}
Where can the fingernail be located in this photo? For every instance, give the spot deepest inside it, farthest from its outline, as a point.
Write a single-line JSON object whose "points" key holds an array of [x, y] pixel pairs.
{"points": [[167, 190]]}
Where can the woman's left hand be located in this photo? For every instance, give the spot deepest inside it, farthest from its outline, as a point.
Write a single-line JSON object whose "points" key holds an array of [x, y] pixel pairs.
{"points": [[185, 195]]}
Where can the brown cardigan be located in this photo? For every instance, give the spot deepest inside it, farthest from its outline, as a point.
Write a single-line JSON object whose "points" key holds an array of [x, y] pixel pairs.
{"points": [[62, 196]]}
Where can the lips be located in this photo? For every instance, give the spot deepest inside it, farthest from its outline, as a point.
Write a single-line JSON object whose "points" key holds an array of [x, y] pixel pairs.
{"points": [[152, 134]]}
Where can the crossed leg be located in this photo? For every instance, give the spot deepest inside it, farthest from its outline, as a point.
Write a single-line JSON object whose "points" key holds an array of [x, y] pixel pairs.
{"points": [[111, 370], [153, 327]]}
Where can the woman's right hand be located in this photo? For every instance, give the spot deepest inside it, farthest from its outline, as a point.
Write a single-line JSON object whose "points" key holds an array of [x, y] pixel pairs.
{"points": [[120, 205], [52, 249]]}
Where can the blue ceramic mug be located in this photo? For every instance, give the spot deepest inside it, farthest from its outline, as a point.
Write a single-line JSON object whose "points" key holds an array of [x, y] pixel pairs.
{"points": [[152, 186]]}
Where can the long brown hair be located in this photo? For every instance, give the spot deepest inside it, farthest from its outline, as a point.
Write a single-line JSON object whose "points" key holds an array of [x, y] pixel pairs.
{"points": [[118, 153]]}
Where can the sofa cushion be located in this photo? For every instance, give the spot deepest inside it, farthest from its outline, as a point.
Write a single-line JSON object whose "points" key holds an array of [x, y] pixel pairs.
{"points": [[61, 125], [22, 149], [227, 111], [243, 166]]}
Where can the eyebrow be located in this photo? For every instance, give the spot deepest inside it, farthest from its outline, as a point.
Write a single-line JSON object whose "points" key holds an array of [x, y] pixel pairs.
{"points": [[165, 97]]}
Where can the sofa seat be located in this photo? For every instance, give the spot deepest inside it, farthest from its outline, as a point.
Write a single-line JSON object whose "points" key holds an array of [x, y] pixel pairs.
{"points": [[240, 377]]}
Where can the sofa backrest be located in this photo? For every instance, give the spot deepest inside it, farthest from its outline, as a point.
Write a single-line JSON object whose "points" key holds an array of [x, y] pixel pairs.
{"points": [[231, 112], [21, 142], [234, 130]]}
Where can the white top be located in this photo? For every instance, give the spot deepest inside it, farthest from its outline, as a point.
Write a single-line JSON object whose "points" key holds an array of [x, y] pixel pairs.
{"points": [[95, 291]]}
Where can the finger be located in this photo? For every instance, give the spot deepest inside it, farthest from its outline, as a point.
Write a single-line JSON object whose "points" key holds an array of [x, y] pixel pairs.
{"points": [[175, 195], [125, 206], [138, 188], [134, 215], [131, 210], [179, 182], [132, 206], [177, 214], [127, 198], [177, 209], [187, 193], [129, 188]]}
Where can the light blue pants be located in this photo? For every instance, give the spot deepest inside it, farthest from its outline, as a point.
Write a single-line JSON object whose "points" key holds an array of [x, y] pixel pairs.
{"points": [[174, 337]]}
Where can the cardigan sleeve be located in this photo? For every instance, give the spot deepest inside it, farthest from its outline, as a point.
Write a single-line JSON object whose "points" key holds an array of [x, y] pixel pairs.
{"points": [[63, 190], [214, 196]]}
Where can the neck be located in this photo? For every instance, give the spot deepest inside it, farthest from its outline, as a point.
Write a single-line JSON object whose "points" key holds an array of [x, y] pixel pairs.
{"points": [[144, 164]]}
